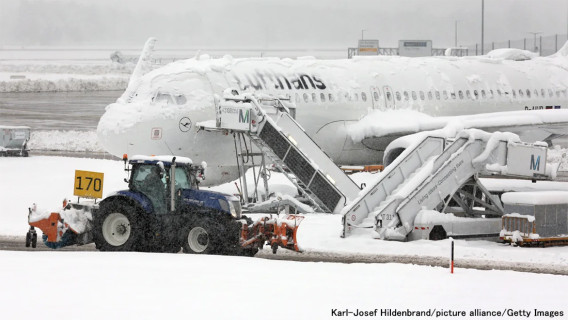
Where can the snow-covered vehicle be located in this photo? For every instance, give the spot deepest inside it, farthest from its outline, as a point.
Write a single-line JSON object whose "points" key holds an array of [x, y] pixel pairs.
{"points": [[537, 218], [14, 141], [162, 210]]}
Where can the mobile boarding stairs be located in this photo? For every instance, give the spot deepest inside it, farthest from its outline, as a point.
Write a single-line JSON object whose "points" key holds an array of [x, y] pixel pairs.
{"points": [[433, 174]]}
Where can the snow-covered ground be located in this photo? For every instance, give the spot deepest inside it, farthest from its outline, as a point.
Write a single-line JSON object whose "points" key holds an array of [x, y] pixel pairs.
{"points": [[59, 285]]}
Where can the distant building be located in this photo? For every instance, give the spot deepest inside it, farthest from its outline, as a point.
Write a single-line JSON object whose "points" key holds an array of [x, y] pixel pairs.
{"points": [[406, 48], [415, 48]]}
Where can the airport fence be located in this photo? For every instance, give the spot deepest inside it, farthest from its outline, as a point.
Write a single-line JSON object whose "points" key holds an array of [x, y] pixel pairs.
{"points": [[544, 45]]}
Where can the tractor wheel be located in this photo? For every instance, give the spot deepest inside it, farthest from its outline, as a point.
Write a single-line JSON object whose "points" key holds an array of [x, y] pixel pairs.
{"points": [[28, 239], [118, 228], [203, 236]]}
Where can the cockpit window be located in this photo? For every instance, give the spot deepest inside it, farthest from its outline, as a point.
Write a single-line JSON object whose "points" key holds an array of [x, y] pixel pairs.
{"points": [[181, 99], [164, 97]]}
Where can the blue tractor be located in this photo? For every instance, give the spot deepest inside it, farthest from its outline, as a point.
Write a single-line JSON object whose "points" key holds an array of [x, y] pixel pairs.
{"points": [[164, 210]]}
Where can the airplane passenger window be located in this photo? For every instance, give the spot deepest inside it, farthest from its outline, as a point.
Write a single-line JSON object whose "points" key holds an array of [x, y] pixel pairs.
{"points": [[491, 93], [314, 98], [322, 97], [306, 97], [414, 97], [297, 98], [375, 95], [460, 94], [499, 92], [550, 93], [389, 97], [535, 93], [406, 97], [445, 93], [514, 94], [528, 93], [468, 94], [355, 96], [520, 93], [453, 95], [483, 94], [430, 95], [558, 93], [542, 93], [331, 97], [437, 95], [475, 94], [398, 96], [363, 96], [564, 92], [421, 95]]}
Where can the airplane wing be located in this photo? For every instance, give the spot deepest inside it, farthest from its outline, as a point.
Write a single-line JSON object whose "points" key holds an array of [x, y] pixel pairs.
{"points": [[378, 128]]}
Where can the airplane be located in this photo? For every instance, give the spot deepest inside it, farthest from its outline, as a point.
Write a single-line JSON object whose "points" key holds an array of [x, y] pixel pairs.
{"points": [[353, 108]]}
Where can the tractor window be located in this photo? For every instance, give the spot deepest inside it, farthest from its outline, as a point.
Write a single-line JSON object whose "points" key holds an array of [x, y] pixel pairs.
{"points": [[182, 181], [141, 173], [150, 180]]}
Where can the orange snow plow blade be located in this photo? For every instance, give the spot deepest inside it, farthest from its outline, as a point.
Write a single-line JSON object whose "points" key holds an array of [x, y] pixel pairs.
{"points": [[274, 231], [48, 226]]}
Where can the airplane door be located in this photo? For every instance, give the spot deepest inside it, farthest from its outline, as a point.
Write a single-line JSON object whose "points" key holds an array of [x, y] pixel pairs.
{"points": [[388, 97], [376, 98]]}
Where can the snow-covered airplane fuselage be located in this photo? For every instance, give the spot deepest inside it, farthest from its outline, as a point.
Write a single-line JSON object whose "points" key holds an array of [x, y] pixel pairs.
{"points": [[158, 111]]}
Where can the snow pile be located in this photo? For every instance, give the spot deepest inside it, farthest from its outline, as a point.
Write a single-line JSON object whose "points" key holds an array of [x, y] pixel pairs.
{"points": [[512, 54], [101, 83], [45, 67], [57, 76], [72, 140]]}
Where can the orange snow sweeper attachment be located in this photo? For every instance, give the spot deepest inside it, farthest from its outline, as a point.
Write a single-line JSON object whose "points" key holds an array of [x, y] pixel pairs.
{"points": [[274, 231]]}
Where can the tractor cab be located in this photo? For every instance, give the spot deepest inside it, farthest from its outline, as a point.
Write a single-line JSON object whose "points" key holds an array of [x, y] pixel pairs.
{"points": [[163, 179]]}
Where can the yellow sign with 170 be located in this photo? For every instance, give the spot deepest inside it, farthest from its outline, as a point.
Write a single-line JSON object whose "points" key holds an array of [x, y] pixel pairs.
{"points": [[88, 184]]}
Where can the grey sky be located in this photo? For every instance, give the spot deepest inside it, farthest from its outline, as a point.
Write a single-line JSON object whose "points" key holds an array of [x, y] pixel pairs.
{"points": [[272, 23]]}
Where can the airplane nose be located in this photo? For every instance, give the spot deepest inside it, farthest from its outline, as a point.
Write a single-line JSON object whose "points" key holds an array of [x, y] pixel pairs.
{"points": [[113, 130]]}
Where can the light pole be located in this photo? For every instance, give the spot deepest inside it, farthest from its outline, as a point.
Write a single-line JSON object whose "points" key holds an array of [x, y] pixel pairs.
{"points": [[534, 34], [456, 34], [482, 17]]}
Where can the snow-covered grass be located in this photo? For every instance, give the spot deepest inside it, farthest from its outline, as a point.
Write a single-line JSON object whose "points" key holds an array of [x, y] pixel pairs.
{"points": [[56, 285], [65, 140], [41, 76]]}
